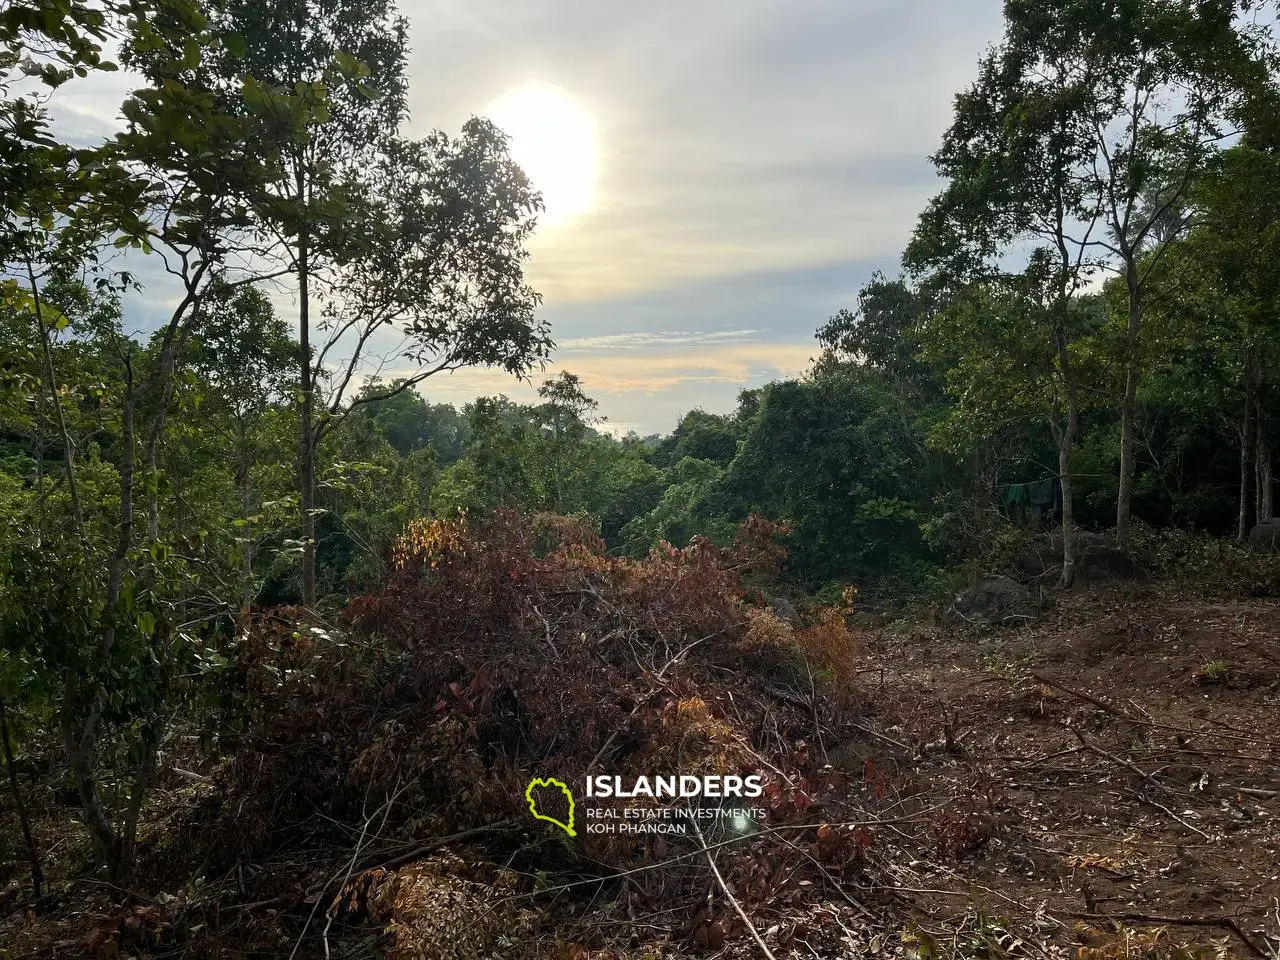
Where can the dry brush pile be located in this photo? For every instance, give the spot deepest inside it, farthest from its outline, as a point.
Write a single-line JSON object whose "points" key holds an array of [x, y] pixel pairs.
{"points": [[502, 650]]}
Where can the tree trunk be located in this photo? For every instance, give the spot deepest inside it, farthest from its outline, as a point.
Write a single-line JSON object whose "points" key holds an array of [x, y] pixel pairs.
{"points": [[306, 437], [1068, 511], [123, 867], [246, 562], [1128, 408], [33, 851], [68, 447], [78, 739], [1067, 439], [153, 498], [1246, 450], [1266, 483], [78, 750]]}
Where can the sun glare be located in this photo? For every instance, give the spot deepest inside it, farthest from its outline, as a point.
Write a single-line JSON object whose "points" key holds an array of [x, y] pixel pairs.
{"points": [[554, 140]]}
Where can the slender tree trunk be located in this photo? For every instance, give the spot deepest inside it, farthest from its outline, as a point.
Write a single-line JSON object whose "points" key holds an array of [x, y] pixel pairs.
{"points": [[78, 739], [1128, 408], [306, 429], [159, 388], [153, 498], [1068, 509], [123, 868], [79, 758], [33, 851], [1246, 450], [51, 379], [38, 454], [1067, 436], [1266, 483], [246, 561], [306, 436]]}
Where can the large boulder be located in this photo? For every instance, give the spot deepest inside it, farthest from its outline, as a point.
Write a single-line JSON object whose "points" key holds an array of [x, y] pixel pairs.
{"points": [[1265, 536], [1098, 560], [995, 600]]}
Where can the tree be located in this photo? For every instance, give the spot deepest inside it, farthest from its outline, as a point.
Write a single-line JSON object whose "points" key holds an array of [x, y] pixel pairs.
{"points": [[884, 332], [408, 422], [343, 62], [175, 182], [702, 436], [243, 357], [1222, 291], [1084, 132], [1013, 157], [443, 269], [836, 457], [565, 415], [499, 468]]}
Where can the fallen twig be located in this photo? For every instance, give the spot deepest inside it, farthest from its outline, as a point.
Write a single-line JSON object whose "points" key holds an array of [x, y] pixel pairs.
{"points": [[429, 846], [1225, 923], [733, 901], [1144, 721], [1146, 777]]}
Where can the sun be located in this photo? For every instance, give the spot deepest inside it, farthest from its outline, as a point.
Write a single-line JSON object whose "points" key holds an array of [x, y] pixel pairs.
{"points": [[553, 138]]}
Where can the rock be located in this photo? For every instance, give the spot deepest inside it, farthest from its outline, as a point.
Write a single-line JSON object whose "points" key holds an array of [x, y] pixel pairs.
{"points": [[784, 609], [993, 601], [1098, 560], [1265, 536]]}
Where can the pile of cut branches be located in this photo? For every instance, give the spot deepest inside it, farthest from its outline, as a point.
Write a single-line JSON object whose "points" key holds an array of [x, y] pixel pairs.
{"points": [[512, 648]]}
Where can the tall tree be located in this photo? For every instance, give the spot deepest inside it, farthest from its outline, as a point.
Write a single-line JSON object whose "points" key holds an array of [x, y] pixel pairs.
{"points": [[243, 356], [1013, 158], [566, 413], [175, 183], [424, 238], [1225, 280], [344, 60], [1086, 129], [438, 278]]}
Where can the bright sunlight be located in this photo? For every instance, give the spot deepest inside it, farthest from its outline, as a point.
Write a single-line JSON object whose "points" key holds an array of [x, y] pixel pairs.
{"points": [[554, 140]]}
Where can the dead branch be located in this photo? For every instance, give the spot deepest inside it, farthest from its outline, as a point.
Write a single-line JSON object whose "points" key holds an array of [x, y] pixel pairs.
{"points": [[1222, 922], [733, 901]]}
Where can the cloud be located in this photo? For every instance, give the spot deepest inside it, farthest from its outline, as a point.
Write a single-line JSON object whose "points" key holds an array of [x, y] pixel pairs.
{"points": [[759, 159], [648, 393], [736, 137], [639, 339]]}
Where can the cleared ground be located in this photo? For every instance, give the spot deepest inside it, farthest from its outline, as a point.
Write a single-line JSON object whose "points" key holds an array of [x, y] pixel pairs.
{"points": [[1118, 762]]}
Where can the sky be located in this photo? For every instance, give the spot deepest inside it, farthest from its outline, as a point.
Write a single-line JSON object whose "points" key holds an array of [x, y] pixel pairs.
{"points": [[757, 161]]}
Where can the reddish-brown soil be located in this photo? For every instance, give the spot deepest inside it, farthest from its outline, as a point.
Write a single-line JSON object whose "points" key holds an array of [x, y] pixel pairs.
{"points": [[1118, 765]]}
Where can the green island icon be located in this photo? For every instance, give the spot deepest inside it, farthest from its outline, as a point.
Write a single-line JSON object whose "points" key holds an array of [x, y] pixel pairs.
{"points": [[533, 804]]}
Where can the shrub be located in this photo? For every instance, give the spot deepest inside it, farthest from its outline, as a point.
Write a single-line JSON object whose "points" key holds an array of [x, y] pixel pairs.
{"points": [[1205, 561]]}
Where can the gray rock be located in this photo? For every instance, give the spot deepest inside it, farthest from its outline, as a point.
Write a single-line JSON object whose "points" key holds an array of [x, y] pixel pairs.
{"points": [[1265, 536], [784, 609], [994, 601], [1098, 560]]}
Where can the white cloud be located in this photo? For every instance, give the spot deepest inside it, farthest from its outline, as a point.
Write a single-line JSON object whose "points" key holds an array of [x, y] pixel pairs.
{"points": [[639, 339], [759, 158]]}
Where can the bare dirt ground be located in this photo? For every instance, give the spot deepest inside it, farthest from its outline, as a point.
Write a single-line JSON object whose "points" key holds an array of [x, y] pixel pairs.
{"points": [[1101, 783], [1113, 773]]}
